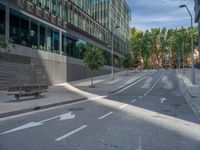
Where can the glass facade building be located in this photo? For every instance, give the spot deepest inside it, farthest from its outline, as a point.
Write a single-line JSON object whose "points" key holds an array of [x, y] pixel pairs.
{"points": [[96, 18], [65, 29]]}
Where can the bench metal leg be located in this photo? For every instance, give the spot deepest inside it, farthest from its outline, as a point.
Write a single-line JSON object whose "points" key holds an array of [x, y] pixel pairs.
{"points": [[17, 97], [37, 95]]}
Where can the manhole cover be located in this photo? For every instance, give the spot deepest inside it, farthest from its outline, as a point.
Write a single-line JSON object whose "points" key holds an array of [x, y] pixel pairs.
{"points": [[76, 109]]}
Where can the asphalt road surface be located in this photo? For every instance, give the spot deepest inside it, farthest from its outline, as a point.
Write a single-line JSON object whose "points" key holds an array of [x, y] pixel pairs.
{"points": [[149, 115]]}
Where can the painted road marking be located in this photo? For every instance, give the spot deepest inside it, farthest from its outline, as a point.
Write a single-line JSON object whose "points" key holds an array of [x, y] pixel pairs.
{"points": [[162, 100], [61, 117], [134, 82], [26, 126], [140, 97], [133, 101], [123, 106], [106, 115], [71, 133], [98, 97]]}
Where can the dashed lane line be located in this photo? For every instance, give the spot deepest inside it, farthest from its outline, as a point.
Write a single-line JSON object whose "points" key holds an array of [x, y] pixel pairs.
{"points": [[133, 101], [70, 133], [140, 97], [106, 115], [123, 106]]}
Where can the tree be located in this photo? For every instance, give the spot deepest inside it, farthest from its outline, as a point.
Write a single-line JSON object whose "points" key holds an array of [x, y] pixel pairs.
{"points": [[5, 45], [127, 62], [94, 60]]}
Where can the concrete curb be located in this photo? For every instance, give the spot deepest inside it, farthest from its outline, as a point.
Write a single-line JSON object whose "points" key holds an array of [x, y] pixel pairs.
{"points": [[189, 98], [115, 91], [35, 108]]}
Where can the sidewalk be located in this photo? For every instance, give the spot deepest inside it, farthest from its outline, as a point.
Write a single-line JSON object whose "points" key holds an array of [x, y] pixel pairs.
{"points": [[68, 93], [56, 95], [104, 85], [192, 91]]}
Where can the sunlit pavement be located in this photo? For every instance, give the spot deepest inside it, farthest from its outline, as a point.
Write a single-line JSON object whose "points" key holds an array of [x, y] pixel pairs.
{"points": [[152, 114]]}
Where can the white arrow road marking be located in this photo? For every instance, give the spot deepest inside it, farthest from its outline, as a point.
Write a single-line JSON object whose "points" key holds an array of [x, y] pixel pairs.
{"points": [[34, 124], [71, 133], [67, 116], [162, 100], [26, 126]]}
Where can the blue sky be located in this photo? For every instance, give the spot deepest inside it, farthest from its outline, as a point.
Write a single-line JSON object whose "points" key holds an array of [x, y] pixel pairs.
{"points": [[147, 14]]}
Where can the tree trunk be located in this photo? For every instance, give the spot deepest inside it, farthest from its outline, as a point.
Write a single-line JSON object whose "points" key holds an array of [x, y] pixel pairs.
{"points": [[127, 72], [92, 84]]}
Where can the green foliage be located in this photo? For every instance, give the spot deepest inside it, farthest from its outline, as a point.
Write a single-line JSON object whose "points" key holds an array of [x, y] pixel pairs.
{"points": [[127, 61], [3, 45], [161, 41], [93, 58]]}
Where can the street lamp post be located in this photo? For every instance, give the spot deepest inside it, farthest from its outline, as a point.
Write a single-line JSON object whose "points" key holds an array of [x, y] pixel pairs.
{"points": [[192, 42], [112, 55], [183, 53]]}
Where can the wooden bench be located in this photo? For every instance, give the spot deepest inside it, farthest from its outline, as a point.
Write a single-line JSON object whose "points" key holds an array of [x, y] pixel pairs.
{"points": [[27, 90]]}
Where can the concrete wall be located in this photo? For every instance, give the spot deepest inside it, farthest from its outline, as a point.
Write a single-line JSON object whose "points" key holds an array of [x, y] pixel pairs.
{"points": [[23, 65]]}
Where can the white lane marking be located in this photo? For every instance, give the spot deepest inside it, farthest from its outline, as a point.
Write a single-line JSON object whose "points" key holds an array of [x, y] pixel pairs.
{"points": [[123, 106], [71, 133], [26, 126], [106, 115], [98, 97], [135, 83], [62, 117], [67, 116], [145, 94], [133, 101], [140, 97], [162, 100]]}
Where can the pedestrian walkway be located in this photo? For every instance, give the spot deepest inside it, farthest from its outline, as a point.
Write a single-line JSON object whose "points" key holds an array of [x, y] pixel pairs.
{"points": [[104, 85], [69, 92], [192, 91], [57, 95]]}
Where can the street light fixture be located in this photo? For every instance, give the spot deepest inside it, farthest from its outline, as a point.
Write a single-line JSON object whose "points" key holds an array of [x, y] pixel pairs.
{"points": [[112, 55], [192, 42]]}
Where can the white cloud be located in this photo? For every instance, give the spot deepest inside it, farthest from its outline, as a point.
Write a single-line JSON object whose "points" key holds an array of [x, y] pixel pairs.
{"points": [[159, 13]]}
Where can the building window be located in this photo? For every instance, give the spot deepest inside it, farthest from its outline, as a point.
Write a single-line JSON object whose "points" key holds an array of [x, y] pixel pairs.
{"points": [[34, 34], [39, 2], [2, 20], [49, 39], [24, 30], [47, 5], [56, 41], [42, 42], [14, 26], [54, 7], [71, 47], [64, 45]]}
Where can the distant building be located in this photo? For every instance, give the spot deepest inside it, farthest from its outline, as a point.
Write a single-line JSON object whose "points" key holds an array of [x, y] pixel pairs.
{"points": [[52, 35]]}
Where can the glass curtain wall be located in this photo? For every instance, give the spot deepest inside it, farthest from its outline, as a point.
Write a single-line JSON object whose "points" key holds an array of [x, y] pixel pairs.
{"points": [[2, 20], [31, 33]]}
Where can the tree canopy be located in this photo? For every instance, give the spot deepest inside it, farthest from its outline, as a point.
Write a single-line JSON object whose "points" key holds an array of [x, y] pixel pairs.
{"points": [[161, 41]]}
